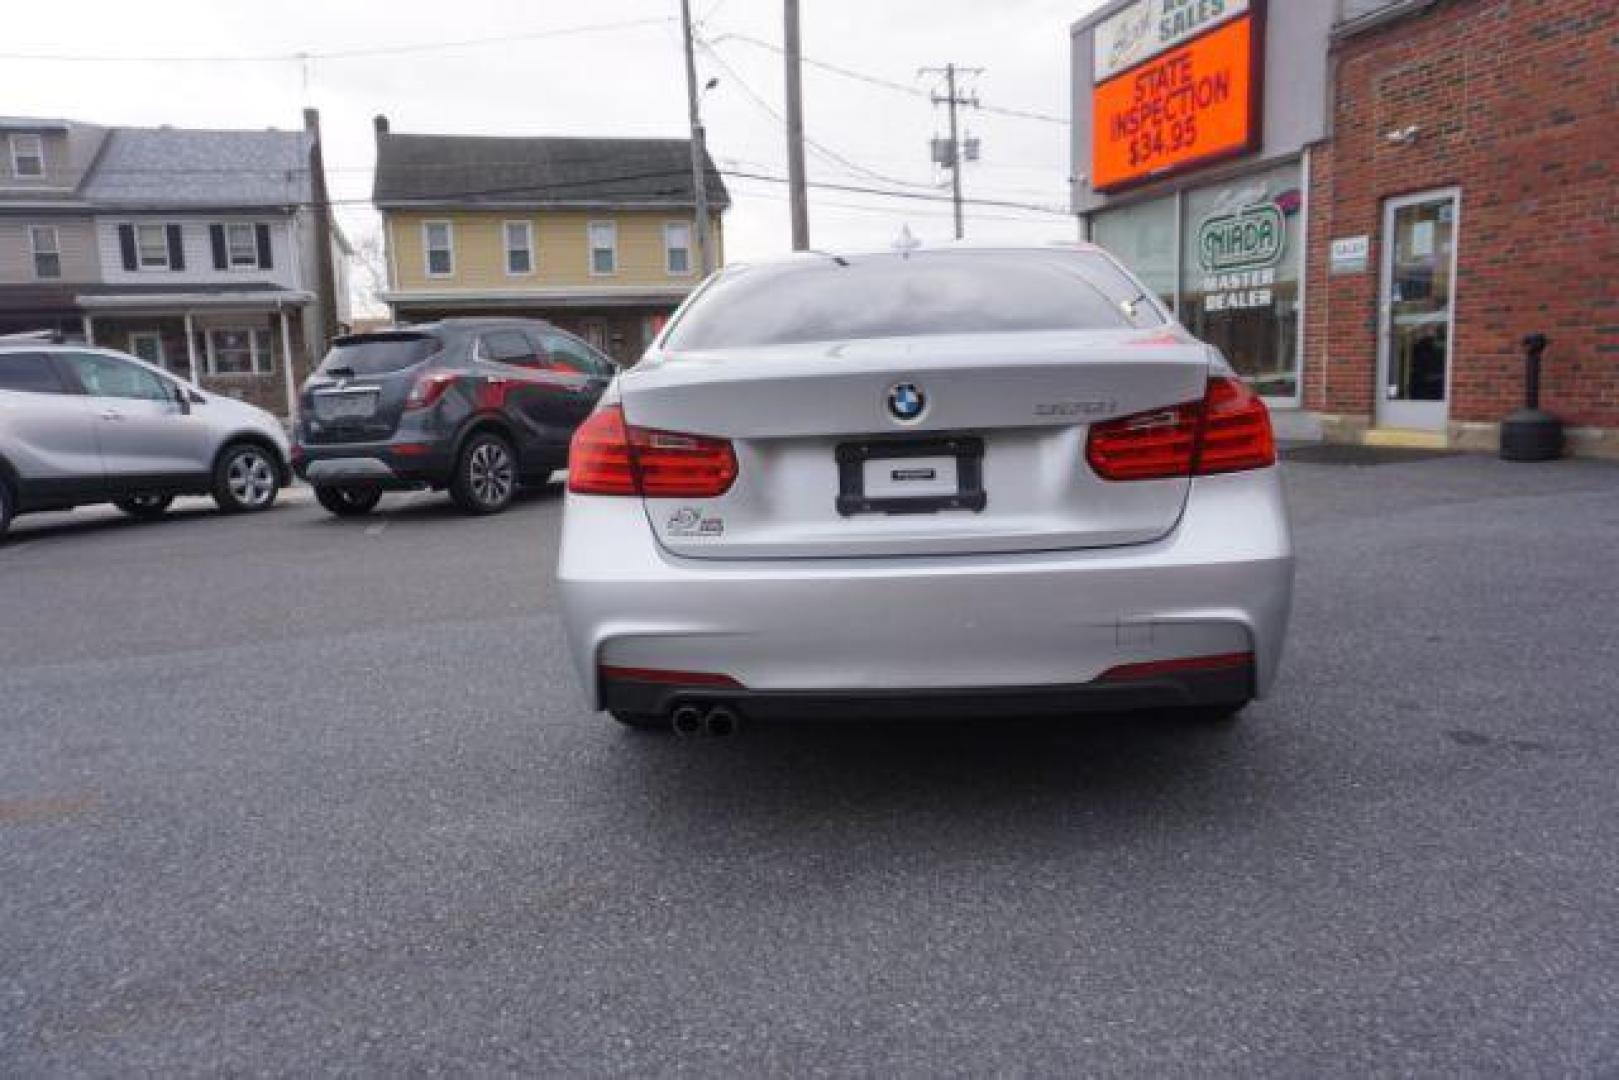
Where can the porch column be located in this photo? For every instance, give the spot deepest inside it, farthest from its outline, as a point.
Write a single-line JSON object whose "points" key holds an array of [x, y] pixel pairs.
{"points": [[89, 330], [191, 349], [286, 369]]}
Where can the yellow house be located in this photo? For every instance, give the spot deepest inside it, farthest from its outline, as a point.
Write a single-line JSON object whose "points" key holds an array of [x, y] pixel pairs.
{"points": [[595, 235]]}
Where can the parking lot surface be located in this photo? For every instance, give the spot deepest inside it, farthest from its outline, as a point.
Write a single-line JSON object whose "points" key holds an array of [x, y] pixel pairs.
{"points": [[288, 794]]}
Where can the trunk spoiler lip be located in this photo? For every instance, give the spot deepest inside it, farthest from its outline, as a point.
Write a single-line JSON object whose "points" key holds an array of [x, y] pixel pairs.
{"points": [[952, 352], [1110, 337]]}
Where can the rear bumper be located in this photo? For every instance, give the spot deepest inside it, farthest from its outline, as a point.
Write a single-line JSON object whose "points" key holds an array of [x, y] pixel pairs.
{"points": [[378, 465], [1025, 630], [1228, 686]]}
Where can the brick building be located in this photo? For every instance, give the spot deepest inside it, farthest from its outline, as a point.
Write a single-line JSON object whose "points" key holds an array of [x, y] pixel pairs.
{"points": [[1369, 203]]}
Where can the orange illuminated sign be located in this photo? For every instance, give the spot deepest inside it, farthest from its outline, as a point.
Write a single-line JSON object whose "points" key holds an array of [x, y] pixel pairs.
{"points": [[1185, 106]]}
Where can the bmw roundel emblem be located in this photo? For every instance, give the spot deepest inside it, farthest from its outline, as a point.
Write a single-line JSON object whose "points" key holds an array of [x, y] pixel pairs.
{"points": [[906, 402]]}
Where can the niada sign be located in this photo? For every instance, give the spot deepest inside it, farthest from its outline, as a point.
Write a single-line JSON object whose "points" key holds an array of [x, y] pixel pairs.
{"points": [[1238, 252], [1149, 27], [1251, 237]]}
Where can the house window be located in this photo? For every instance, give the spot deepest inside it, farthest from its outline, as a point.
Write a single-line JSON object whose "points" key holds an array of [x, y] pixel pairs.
{"points": [[27, 156], [677, 247], [239, 351], [147, 345], [519, 247], [242, 245], [47, 251], [438, 240], [152, 246], [603, 247]]}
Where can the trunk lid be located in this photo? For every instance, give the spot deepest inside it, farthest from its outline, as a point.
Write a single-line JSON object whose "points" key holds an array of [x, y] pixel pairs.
{"points": [[358, 392], [994, 462]]}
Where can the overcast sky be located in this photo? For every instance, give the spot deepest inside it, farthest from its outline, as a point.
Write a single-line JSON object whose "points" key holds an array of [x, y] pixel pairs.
{"points": [[621, 80]]}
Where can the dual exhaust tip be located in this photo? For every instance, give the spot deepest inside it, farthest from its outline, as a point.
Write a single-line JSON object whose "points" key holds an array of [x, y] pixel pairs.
{"points": [[691, 719]]}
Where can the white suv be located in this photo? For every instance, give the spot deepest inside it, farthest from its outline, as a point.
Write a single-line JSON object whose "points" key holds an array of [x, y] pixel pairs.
{"points": [[85, 425]]}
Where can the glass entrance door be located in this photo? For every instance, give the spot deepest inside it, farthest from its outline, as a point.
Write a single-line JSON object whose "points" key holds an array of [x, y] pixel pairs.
{"points": [[1416, 310]]}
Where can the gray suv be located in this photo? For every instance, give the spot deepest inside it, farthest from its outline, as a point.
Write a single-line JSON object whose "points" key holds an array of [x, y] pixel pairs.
{"points": [[84, 425], [475, 406]]}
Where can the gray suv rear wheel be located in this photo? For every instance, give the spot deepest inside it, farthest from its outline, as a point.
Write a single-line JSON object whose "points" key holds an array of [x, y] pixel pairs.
{"points": [[485, 474]]}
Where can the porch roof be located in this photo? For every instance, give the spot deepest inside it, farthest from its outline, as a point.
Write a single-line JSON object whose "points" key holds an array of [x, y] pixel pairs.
{"points": [[258, 296]]}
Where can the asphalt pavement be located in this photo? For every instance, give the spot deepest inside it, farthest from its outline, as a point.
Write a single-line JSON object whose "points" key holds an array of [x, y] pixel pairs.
{"points": [[285, 794]]}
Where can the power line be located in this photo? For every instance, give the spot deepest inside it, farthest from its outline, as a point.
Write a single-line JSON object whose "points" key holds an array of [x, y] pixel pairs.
{"points": [[940, 215], [542, 189], [295, 173], [822, 149], [886, 84], [913, 195], [335, 54], [703, 19], [533, 190]]}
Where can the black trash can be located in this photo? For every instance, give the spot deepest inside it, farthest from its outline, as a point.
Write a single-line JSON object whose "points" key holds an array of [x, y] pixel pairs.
{"points": [[1531, 433]]}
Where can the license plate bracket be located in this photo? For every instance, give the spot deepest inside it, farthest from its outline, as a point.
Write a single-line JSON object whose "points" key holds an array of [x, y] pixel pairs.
{"points": [[346, 404], [853, 459]]}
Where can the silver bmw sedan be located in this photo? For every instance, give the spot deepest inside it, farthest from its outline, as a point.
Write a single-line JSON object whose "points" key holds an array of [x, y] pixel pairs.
{"points": [[925, 483]]}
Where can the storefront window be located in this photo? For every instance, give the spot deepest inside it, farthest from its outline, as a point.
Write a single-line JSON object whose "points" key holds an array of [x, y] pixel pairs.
{"points": [[1239, 254], [1143, 238], [1240, 262]]}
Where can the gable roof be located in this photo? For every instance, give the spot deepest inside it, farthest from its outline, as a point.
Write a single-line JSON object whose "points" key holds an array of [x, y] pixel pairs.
{"points": [[479, 170], [184, 167]]}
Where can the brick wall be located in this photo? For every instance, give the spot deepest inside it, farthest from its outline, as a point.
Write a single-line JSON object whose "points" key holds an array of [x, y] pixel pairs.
{"points": [[1517, 102]]}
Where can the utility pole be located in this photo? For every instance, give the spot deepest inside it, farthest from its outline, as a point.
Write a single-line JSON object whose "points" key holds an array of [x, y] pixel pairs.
{"points": [[798, 197], [699, 177], [954, 154]]}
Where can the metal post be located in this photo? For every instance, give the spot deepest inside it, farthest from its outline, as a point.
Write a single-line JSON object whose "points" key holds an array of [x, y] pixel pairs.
{"points": [[798, 197], [955, 146], [89, 330], [699, 178], [191, 349], [1533, 346]]}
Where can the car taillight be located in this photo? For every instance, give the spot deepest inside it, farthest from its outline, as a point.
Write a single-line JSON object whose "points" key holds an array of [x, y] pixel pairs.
{"points": [[610, 457], [1236, 430], [599, 456], [1228, 430], [428, 389]]}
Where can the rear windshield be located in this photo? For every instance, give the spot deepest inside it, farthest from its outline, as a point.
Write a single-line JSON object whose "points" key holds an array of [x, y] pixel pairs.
{"points": [[940, 292], [378, 354]]}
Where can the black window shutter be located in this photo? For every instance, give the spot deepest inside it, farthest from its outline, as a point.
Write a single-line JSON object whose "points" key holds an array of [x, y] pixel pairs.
{"points": [[126, 243], [216, 233], [177, 255], [261, 232]]}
